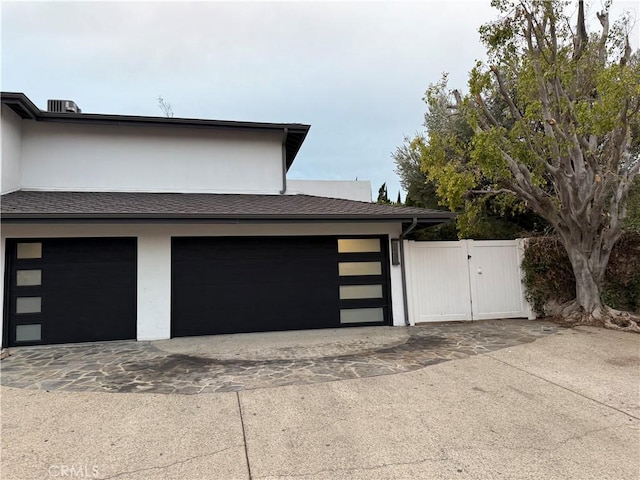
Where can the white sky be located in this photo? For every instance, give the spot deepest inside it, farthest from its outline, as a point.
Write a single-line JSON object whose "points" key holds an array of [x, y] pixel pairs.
{"points": [[356, 72]]}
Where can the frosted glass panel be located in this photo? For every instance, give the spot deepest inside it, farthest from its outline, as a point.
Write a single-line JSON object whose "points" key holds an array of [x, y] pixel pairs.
{"points": [[27, 278], [358, 245], [28, 333], [28, 304], [349, 269], [361, 315], [348, 292], [29, 250]]}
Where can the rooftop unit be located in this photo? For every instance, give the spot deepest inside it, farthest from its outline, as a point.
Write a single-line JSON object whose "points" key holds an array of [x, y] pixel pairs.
{"points": [[62, 106]]}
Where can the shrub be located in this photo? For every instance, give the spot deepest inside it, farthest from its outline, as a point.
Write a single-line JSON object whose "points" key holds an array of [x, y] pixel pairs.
{"points": [[621, 288], [632, 223], [548, 275]]}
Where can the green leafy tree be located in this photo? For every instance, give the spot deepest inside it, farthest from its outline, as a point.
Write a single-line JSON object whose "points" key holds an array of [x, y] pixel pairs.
{"points": [[495, 217], [421, 192], [554, 115]]}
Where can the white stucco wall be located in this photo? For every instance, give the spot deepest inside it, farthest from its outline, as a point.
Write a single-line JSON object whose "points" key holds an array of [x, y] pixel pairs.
{"points": [[154, 286], [154, 258], [75, 157], [348, 189], [11, 139]]}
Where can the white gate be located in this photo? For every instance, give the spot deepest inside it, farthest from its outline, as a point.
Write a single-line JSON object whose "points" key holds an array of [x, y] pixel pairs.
{"points": [[465, 280]]}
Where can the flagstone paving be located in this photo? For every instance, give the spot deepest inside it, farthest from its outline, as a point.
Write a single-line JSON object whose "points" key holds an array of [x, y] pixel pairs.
{"points": [[142, 367]]}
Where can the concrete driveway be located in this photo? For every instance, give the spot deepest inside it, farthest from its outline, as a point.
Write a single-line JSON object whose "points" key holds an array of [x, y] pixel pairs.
{"points": [[564, 406]]}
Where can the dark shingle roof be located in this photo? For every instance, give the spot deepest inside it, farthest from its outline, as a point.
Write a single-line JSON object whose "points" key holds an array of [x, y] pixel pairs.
{"points": [[36, 205]]}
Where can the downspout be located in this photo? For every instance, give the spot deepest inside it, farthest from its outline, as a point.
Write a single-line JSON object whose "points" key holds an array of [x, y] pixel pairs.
{"points": [[405, 299], [284, 161]]}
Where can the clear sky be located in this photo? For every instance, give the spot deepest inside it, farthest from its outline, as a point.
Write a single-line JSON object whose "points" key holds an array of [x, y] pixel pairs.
{"points": [[356, 72]]}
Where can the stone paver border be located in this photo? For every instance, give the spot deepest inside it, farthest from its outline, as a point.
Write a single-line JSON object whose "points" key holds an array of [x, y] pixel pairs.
{"points": [[140, 367]]}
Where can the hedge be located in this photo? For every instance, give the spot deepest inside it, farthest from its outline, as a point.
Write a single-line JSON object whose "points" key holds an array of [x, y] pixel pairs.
{"points": [[548, 275]]}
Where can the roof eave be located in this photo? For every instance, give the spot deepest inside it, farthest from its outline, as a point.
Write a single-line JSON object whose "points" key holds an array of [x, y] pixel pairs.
{"points": [[24, 218], [21, 105]]}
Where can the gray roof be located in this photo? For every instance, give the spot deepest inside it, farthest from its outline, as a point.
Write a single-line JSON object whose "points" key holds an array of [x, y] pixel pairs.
{"points": [[28, 206], [22, 106]]}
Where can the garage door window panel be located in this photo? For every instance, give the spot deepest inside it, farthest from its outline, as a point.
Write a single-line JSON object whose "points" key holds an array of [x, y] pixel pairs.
{"points": [[362, 315], [29, 332], [353, 269], [28, 305], [351, 292], [359, 245], [28, 251], [28, 278]]}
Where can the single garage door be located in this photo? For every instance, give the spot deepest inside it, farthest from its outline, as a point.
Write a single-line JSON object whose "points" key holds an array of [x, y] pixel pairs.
{"points": [[66, 290], [250, 284]]}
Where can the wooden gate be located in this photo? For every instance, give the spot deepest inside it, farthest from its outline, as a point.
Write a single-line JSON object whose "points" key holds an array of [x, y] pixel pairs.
{"points": [[465, 280]]}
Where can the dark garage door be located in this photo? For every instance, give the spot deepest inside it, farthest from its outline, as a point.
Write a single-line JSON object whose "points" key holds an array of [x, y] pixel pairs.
{"points": [[67, 290], [249, 284]]}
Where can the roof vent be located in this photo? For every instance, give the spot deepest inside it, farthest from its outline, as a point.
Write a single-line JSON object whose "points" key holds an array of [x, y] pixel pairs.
{"points": [[62, 106]]}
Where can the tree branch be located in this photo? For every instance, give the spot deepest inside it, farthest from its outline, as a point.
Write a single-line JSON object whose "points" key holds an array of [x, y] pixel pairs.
{"points": [[627, 53], [478, 99], [458, 97], [581, 38], [554, 37], [540, 33], [492, 192], [603, 17], [505, 93], [542, 88]]}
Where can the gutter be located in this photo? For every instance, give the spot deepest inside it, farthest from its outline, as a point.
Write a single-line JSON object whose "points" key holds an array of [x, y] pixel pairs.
{"points": [[284, 160], [403, 269]]}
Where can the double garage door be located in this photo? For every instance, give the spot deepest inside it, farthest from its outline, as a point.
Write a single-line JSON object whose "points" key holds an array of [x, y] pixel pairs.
{"points": [[79, 290]]}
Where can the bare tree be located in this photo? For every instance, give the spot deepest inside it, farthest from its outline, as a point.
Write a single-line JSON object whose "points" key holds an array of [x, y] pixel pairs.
{"points": [[165, 107]]}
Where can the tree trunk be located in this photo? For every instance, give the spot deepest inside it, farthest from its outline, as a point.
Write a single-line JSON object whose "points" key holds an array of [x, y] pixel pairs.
{"points": [[588, 281], [587, 309]]}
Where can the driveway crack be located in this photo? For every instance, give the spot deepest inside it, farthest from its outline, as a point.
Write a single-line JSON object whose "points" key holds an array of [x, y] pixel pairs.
{"points": [[169, 465], [336, 470], [562, 386], [244, 435]]}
